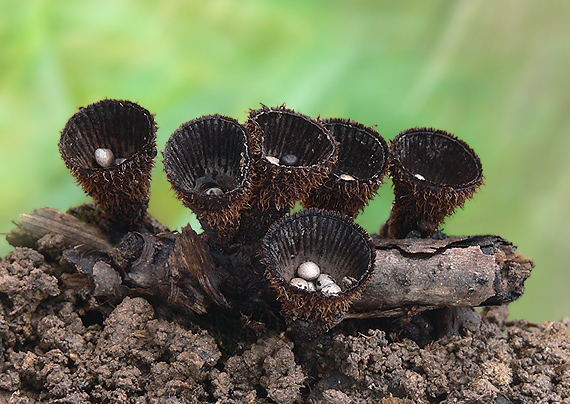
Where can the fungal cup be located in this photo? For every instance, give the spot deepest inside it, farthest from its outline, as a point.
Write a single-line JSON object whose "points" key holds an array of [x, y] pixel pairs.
{"points": [[207, 161], [337, 245], [292, 152], [127, 131], [361, 166], [434, 172]]}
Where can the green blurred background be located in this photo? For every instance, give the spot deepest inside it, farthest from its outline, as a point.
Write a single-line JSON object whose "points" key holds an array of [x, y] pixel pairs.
{"points": [[493, 73]]}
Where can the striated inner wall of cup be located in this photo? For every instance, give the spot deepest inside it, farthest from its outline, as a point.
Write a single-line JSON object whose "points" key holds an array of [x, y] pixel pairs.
{"points": [[206, 153], [338, 248], [290, 133], [121, 126], [438, 158], [362, 154]]}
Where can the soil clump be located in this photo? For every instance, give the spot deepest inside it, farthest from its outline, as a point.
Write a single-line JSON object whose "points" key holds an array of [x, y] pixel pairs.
{"points": [[61, 345]]}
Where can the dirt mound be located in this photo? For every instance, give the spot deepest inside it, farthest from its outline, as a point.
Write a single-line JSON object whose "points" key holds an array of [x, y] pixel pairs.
{"points": [[59, 345]]}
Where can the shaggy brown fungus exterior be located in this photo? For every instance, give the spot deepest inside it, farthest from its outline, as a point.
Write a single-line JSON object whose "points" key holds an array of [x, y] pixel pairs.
{"points": [[434, 172], [207, 161], [361, 166], [338, 246], [109, 147], [292, 154]]}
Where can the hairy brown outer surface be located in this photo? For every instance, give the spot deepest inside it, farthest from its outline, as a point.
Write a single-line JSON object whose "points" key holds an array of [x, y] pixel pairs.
{"points": [[281, 186], [345, 197], [350, 197], [123, 191]]}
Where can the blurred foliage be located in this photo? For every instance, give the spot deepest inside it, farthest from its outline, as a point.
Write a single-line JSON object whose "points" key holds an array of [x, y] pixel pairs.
{"points": [[493, 73]]}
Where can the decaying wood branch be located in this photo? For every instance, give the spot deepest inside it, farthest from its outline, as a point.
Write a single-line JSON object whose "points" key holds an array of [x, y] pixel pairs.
{"points": [[411, 274], [453, 272]]}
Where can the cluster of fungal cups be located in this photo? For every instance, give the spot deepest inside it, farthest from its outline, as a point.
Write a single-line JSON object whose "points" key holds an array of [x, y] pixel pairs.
{"points": [[241, 180]]}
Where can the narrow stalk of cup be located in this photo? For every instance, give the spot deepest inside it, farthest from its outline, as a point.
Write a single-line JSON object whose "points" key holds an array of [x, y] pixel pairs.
{"points": [[256, 220]]}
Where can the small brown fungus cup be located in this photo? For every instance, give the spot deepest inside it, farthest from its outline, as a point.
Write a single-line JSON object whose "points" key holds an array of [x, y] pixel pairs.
{"points": [[434, 172], [109, 147], [338, 246], [292, 153], [361, 166], [207, 161]]}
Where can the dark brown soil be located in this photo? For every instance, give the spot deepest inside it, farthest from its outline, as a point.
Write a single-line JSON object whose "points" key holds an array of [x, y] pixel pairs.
{"points": [[59, 345]]}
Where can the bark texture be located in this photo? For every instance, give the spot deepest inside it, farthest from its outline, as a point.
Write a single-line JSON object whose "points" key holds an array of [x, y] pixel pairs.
{"points": [[455, 271]]}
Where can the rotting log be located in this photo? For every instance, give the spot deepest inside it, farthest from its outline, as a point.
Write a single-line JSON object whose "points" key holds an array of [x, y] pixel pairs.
{"points": [[424, 273], [411, 275]]}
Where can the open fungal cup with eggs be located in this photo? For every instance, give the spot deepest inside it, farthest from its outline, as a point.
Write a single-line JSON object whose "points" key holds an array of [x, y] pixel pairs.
{"points": [[207, 161], [323, 249], [358, 173], [434, 173], [109, 147], [293, 153]]}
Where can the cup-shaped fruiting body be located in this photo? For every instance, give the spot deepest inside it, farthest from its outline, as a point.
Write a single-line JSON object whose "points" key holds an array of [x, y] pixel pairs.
{"points": [[358, 173], [317, 246], [292, 153], [434, 172], [207, 161], [109, 147]]}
